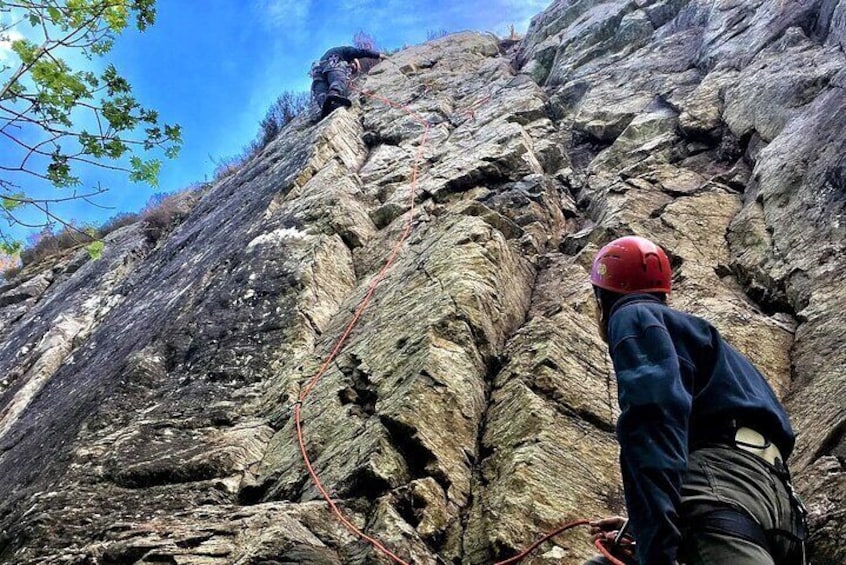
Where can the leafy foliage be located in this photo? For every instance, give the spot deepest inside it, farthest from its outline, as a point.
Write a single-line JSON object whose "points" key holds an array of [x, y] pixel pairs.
{"points": [[95, 249], [436, 34], [364, 40], [162, 212], [287, 106], [52, 241], [117, 221], [166, 211], [55, 119]]}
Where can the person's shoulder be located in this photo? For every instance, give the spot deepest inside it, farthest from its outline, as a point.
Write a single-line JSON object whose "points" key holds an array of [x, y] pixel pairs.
{"points": [[678, 324], [641, 310], [631, 318], [634, 316]]}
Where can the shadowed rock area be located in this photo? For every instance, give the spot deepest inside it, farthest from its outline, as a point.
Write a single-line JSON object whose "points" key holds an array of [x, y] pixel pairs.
{"points": [[146, 400]]}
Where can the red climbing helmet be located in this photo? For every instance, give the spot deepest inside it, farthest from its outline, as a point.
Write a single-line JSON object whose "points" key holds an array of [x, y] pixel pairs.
{"points": [[632, 264]]}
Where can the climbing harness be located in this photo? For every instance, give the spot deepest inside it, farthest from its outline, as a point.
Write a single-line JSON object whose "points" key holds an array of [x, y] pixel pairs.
{"points": [[605, 546], [721, 519], [799, 538], [333, 63], [332, 73]]}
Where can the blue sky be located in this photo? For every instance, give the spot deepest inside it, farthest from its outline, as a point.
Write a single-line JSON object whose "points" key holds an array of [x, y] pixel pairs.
{"points": [[215, 66]]}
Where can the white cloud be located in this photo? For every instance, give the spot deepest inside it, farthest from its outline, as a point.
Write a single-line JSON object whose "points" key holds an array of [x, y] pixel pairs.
{"points": [[377, 18], [287, 16], [11, 22], [6, 39], [353, 8]]}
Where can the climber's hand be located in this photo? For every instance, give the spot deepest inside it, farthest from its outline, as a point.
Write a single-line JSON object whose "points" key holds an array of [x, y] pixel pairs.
{"points": [[356, 65], [600, 527], [382, 56]]}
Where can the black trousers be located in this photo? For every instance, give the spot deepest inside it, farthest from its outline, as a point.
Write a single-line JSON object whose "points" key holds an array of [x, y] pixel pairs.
{"points": [[330, 78], [729, 477]]}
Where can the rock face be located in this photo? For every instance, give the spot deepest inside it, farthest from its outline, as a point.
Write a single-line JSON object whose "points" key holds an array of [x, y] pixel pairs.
{"points": [[146, 406]]}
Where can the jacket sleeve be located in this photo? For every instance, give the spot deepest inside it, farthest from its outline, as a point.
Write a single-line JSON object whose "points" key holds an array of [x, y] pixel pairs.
{"points": [[350, 53], [652, 430]]}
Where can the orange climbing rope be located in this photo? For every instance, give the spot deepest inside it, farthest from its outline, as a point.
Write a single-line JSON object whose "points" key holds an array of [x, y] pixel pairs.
{"points": [[603, 544], [517, 558], [339, 344], [351, 325]]}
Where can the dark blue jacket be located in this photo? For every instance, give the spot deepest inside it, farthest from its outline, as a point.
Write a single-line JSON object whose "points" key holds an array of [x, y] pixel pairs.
{"points": [[679, 383]]}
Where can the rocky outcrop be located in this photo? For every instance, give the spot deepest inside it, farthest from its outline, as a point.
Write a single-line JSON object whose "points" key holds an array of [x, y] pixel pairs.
{"points": [[739, 105], [146, 413]]}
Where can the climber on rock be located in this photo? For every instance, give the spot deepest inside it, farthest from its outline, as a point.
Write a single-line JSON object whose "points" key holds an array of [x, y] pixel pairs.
{"points": [[703, 438], [331, 75]]}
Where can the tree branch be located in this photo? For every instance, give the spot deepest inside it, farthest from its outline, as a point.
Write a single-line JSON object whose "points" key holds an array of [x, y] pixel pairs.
{"points": [[100, 190], [14, 219], [26, 200], [23, 170], [17, 116], [67, 225], [45, 48], [66, 133], [35, 148], [76, 157]]}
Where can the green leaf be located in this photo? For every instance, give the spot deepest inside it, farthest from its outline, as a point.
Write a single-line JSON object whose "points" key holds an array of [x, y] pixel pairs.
{"points": [[149, 116], [95, 249], [145, 171], [174, 133], [90, 144], [25, 49], [118, 112], [116, 17], [91, 79], [77, 12], [15, 90], [115, 148], [145, 13], [11, 247], [55, 15], [13, 201], [115, 83], [102, 47], [153, 136], [59, 171]]}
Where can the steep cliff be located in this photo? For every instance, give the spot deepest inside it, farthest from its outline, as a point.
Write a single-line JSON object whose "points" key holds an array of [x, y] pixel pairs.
{"points": [[146, 405]]}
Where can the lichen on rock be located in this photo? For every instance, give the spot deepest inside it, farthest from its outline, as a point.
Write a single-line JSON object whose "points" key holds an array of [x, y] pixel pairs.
{"points": [[146, 406]]}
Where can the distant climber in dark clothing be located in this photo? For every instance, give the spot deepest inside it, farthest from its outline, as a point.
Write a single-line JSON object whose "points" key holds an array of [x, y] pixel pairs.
{"points": [[331, 75]]}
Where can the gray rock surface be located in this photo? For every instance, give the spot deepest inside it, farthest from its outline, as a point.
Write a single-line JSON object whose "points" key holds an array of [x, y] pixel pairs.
{"points": [[146, 406]]}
